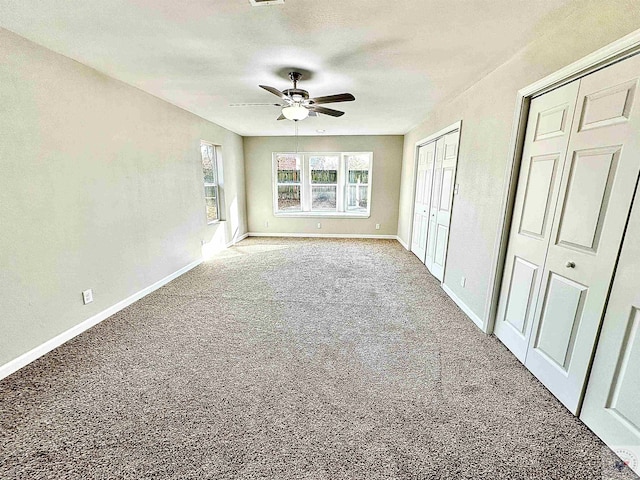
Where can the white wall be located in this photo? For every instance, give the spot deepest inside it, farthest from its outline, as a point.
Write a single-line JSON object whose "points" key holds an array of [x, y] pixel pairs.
{"points": [[100, 187], [387, 161], [487, 110]]}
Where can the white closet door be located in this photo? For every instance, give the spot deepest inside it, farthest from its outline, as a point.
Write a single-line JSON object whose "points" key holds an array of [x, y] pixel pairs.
{"points": [[445, 175], [612, 402], [433, 211], [424, 181], [598, 183], [543, 157]]}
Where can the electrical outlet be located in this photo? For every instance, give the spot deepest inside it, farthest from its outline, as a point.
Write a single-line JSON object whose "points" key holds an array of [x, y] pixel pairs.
{"points": [[319, 225], [463, 281], [87, 296], [377, 226], [456, 189]]}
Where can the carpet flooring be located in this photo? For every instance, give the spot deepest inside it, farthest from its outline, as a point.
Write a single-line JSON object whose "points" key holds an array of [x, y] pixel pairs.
{"points": [[291, 359]]}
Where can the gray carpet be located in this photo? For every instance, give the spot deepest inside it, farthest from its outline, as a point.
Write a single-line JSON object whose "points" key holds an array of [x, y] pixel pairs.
{"points": [[291, 359]]}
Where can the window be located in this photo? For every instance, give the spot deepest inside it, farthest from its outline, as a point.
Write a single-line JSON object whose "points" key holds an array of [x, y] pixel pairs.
{"points": [[317, 184], [288, 183], [358, 167], [210, 174], [324, 182]]}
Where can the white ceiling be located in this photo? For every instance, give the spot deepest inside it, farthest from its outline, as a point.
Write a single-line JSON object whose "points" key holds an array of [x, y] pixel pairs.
{"points": [[398, 57]]}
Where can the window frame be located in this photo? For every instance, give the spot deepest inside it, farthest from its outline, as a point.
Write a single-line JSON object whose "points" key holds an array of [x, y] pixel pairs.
{"points": [[215, 185], [310, 184], [358, 186], [341, 210], [277, 184]]}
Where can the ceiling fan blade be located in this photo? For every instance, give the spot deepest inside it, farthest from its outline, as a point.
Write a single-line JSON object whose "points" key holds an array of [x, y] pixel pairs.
{"points": [[275, 91], [325, 111], [255, 105], [340, 97], [281, 117]]}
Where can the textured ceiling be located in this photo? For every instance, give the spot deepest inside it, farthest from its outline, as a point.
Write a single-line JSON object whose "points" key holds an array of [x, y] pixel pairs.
{"points": [[398, 57]]}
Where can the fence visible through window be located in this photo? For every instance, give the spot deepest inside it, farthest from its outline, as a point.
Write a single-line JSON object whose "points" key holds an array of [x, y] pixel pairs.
{"points": [[333, 183]]}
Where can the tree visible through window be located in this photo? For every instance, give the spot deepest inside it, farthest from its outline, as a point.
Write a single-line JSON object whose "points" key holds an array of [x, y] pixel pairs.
{"points": [[210, 174], [322, 183]]}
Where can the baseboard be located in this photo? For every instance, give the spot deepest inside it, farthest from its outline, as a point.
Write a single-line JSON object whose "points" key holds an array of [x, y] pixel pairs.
{"points": [[463, 306], [236, 240], [405, 245], [321, 235], [28, 357]]}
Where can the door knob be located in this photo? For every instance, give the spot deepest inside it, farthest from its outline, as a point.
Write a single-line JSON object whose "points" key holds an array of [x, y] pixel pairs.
{"points": [[570, 264]]}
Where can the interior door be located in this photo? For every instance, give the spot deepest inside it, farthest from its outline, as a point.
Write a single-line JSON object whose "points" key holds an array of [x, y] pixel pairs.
{"points": [[441, 203], [611, 404], [598, 184], [543, 157], [424, 181], [435, 196]]}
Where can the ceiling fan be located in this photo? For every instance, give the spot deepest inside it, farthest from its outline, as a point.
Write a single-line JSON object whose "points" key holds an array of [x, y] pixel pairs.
{"points": [[296, 104]]}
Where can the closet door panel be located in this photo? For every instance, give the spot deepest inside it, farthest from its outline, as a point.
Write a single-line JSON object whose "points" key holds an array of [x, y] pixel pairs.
{"points": [[442, 202], [435, 199], [598, 185], [561, 313], [591, 176], [421, 207], [520, 294], [543, 158], [610, 406], [538, 195]]}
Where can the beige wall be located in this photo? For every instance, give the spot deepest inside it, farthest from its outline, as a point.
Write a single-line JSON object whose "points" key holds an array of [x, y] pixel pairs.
{"points": [[100, 187], [486, 110], [387, 160]]}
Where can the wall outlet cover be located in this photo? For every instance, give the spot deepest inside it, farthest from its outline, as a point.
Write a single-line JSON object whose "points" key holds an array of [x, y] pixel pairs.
{"points": [[87, 296]]}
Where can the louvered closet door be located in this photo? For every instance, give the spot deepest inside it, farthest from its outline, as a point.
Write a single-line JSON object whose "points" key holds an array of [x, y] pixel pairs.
{"points": [[598, 184], [424, 181], [543, 157]]}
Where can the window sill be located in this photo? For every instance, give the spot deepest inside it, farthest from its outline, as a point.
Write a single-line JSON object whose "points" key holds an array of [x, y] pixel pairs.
{"points": [[322, 214]]}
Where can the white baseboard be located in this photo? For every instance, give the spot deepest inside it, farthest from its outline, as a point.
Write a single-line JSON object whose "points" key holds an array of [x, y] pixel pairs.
{"points": [[236, 240], [28, 357], [322, 235], [406, 246], [463, 306]]}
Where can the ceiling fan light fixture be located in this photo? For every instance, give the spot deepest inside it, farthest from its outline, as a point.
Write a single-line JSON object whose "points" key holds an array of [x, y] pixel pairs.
{"points": [[296, 104], [295, 112]]}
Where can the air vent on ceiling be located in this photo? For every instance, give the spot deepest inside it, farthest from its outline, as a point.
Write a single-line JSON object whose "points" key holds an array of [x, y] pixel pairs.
{"points": [[257, 3]]}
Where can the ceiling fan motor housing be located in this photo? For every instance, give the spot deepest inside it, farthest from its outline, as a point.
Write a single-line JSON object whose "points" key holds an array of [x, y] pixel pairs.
{"points": [[296, 94]]}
